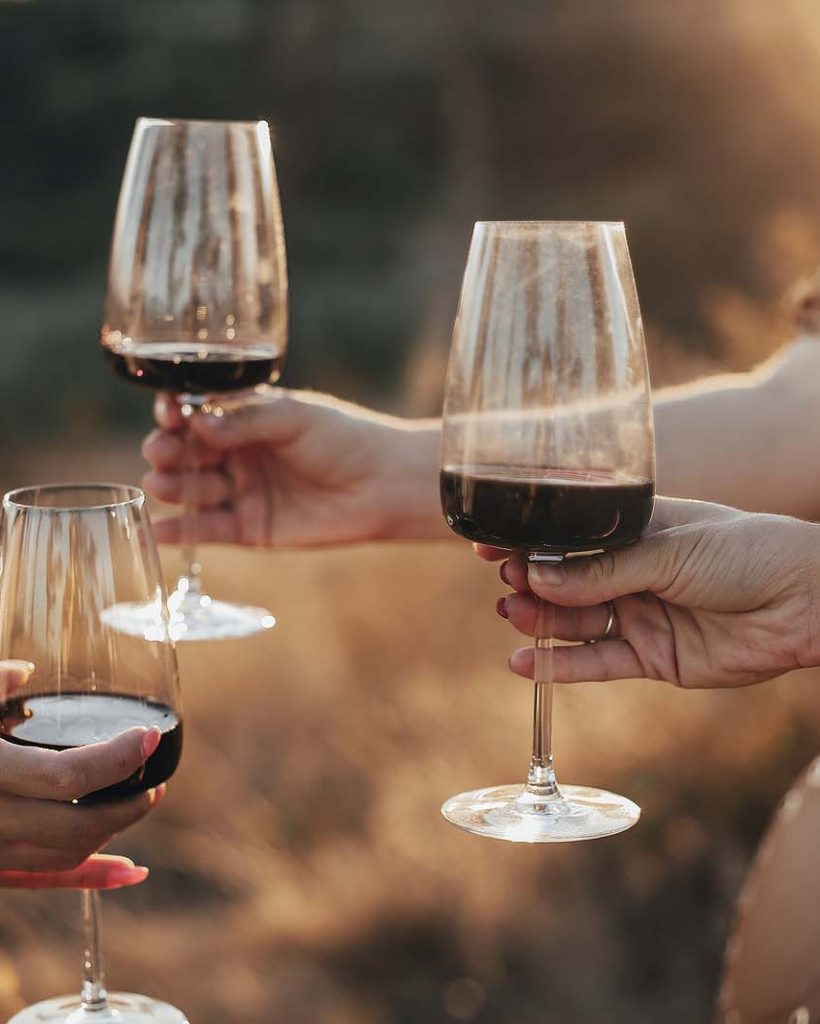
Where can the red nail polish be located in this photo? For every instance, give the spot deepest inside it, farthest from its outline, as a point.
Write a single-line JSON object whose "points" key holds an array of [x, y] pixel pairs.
{"points": [[501, 607], [150, 742]]}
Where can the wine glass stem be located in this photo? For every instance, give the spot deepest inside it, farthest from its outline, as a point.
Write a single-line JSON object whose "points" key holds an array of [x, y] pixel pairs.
{"points": [[93, 992], [190, 582], [541, 775]]}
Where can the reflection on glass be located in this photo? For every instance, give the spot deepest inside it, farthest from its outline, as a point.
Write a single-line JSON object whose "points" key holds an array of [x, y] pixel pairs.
{"points": [[197, 304], [69, 554], [547, 448]]}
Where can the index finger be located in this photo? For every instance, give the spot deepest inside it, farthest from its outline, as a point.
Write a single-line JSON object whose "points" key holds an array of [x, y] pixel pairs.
{"points": [[167, 412], [165, 450], [491, 554]]}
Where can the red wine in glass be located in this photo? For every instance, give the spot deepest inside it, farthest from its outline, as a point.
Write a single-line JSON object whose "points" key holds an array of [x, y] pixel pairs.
{"points": [[71, 553], [549, 510], [61, 721], [548, 449], [189, 370], [197, 305]]}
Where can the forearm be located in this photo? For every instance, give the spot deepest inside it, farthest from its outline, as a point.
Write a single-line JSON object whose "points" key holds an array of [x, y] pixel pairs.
{"points": [[750, 440]]}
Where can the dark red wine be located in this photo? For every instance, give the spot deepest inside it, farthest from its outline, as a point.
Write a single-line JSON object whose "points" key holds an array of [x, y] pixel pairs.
{"points": [[184, 369], [550, 510], [65, 720]]}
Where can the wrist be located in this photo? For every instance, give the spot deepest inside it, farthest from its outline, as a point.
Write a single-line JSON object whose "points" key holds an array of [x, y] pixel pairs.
{"points": [[408, 482]]}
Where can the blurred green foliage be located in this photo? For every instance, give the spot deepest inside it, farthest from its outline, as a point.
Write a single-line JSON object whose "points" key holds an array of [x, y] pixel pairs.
{"points": [[396, 126]]}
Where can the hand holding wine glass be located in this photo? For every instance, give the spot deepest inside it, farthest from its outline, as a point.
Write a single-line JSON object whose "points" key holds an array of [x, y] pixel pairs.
{"points": [[96, 724], [330, 472], [45, 842], [547, 448], [197, 300], [713, 597]]}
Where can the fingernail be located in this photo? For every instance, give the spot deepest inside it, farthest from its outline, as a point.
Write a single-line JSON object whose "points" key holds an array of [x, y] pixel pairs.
{"points": [[502, 572], [150, 741], [547, 575], [123, 875], [19, 665], [501, 607], [157, 794]]}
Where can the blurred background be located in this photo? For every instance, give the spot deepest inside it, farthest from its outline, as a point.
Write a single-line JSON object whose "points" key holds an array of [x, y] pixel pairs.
{"points": [[300, 870]]}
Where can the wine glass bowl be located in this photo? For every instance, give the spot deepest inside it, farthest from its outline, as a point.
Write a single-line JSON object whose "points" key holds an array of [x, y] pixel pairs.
{"points": [[547, 448], [69, 554], [196, 303], [548, 442], [197, 271]]}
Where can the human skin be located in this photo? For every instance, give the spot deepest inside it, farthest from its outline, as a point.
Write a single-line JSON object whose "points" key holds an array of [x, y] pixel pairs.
{"points": [[711, 597], [290, 469], [46, 840]]}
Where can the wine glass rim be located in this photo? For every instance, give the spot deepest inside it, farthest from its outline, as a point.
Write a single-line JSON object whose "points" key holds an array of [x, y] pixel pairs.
{"points": [[175, 122], [26, 497], [537, 224]]}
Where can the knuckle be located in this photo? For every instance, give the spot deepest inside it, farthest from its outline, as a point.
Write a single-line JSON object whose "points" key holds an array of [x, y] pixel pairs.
{"points": [[89, 829], [124, 763], [64, 780], [602, 569]]}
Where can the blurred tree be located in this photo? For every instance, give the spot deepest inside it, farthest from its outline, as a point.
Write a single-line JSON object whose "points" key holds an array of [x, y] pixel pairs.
{"points": [[396, 127]]}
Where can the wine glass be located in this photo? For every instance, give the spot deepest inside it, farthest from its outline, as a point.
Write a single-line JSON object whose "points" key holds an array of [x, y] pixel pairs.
{"points": [[197, 301], [548, 448], [70, 552]]}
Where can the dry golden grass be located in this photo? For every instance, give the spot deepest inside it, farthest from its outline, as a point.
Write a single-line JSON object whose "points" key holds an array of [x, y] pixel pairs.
{"points": [[301, 870]]}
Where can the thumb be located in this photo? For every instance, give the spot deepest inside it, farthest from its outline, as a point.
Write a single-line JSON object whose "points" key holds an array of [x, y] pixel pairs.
{"points": [[587, 581], [268, 415], [670, 512]]}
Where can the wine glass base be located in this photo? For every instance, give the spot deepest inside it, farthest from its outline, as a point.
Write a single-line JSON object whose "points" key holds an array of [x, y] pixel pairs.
{"points": [[123, 1008], [199, 617], [192, 617], [578, 813]]}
